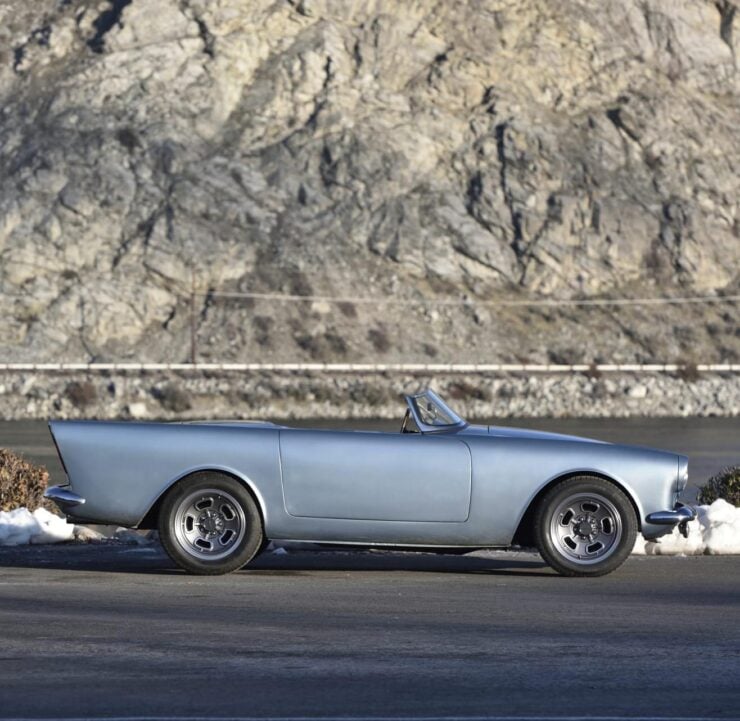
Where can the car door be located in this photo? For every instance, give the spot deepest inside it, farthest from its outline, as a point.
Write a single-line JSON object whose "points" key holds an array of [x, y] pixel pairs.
{"points": [[375, 476]]}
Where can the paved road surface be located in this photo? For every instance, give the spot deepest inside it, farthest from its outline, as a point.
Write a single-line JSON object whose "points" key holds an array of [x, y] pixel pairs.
{"points": [[105, 630], [712, 443]]}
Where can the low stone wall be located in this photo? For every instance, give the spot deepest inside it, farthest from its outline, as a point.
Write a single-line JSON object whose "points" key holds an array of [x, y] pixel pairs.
{"points": [[173, 395]]}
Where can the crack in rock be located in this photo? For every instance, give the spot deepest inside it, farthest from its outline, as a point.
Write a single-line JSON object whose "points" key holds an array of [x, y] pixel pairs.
{"points": [[40, 36], [727, 11], [105, 22]]}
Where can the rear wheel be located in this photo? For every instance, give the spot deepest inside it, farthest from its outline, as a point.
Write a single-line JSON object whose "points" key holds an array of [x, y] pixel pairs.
{"points": [[585, 526], [209, 524]]}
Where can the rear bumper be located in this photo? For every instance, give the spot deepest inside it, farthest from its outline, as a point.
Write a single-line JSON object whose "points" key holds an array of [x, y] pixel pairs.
{"points": [[64, 498]]}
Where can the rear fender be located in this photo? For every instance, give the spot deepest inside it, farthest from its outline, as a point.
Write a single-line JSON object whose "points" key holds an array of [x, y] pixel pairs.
{"points": [[150, 518], [123, 469]]}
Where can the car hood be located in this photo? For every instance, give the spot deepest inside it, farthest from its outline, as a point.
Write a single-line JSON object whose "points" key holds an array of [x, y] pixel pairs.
{"points": [[527, 433]]}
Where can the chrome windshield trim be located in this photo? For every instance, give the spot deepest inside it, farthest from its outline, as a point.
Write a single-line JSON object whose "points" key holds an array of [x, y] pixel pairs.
{"points": [[428, 394]]}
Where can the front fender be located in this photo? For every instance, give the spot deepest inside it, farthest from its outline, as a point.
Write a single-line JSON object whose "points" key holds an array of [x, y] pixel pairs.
{"points": [[510, 473]]}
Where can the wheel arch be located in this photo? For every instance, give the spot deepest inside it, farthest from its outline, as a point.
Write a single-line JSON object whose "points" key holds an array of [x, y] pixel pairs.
{"points": [[151, 517], [524, 534]]}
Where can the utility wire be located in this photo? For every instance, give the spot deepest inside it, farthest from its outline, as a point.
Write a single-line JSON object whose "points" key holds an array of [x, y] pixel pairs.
{"points": [[279, 297], [536, 302]]}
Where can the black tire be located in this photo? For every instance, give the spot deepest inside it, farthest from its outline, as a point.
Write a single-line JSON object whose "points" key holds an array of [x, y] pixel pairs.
{"points": [[210, 525], [585, 526]]}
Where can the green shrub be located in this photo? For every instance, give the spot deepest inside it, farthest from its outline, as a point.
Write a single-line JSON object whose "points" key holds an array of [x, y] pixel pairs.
{"points": [[21, 483], [726, 484]]}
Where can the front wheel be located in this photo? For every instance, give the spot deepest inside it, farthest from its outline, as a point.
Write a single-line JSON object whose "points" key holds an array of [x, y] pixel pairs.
{"points": [[585, 526], [209, 524]]}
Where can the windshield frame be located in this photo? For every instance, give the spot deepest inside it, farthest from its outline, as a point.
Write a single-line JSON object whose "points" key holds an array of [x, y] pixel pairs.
{"points": [[428, 395]]}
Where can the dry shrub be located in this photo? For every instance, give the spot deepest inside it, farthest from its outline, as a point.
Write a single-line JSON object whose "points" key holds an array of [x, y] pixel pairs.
{"points": [[463, 390], [429, 350], [21, 482], [262, 327], [323, 347], [379, 339], [81, 393], [172, 398], [336, 343], [369, 395], [309, 344], [593, 372], [688, 372], [726, 484], [348, 310]]}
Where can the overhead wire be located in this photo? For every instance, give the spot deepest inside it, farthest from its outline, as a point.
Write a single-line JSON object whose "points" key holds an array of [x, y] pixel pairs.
{"points": [[185, 292]]}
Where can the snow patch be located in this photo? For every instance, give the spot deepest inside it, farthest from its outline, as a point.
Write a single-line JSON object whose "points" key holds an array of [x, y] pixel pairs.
{"points": [[130, 537], [20, 526], [83, 534], [716, 531]]}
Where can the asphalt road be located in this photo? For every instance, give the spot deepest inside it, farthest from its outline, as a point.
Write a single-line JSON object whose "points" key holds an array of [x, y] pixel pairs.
{"points": [[105, 630], [116, 631]]}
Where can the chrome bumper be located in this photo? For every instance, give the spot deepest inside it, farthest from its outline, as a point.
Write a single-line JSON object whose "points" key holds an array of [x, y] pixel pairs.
{"points": [[680, 515], [63, 497]]}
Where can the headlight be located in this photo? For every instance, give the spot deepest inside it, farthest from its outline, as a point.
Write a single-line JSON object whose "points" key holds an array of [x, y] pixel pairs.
{"points": [[683, 474]]}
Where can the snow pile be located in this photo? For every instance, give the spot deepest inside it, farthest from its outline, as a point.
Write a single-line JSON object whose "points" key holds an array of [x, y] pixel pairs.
{"points": [[20, 526], [715, 531]]}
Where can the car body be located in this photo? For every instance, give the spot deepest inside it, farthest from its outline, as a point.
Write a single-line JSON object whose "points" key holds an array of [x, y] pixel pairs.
{"points": [[439, 483]]}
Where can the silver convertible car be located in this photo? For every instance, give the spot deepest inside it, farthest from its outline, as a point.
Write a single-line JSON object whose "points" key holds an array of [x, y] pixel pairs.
{"points": [[219, 491]]}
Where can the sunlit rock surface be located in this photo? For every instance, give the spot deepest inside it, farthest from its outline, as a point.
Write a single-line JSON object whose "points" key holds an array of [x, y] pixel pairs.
{"points": [[492, 150]]}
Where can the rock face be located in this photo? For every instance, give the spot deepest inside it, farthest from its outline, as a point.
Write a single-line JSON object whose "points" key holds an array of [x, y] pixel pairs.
{"points": [[489, 149]]}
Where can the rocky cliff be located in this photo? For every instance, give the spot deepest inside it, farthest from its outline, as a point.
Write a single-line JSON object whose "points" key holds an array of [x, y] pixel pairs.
{"points": [[487, 150]]}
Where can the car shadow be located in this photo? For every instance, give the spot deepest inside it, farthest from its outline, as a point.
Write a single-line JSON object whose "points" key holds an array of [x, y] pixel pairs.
{"points": [[151, 559], [408, 561]]}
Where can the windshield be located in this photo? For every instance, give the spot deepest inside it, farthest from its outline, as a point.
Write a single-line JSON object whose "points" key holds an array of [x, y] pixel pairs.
{"points": [[431, 410]]}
